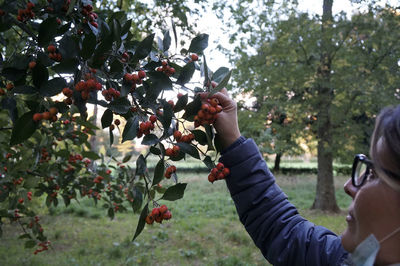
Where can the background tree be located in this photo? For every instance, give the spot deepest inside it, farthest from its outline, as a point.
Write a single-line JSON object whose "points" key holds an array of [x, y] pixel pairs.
{"points": [[331, 75]]}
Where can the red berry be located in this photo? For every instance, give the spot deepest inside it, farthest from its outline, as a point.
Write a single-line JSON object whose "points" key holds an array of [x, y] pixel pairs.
{"points": [[117, 122], [220, 166], [142, 74], [194, 57], [37, 117], [32, 64], [153, 119]]}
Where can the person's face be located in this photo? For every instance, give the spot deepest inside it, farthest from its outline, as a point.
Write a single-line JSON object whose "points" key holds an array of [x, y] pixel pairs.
{"points": [[374, 210]]}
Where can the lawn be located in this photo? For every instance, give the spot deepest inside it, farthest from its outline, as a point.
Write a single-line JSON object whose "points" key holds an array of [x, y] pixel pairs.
{"points": [[204, 230]]}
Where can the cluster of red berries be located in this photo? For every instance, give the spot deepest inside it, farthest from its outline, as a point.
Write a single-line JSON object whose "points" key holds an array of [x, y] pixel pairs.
{"points": [[30, 225], [172, 152], [85, 87], [43, 246], [208, 112], [158, 214], [68, 92], [53, 53], [74, 158], [136, 78], [126, 192], [117, 122], [69, 169], [91, 16], [183, 138], [98, 179], [219, 172], [27, 13], [16, 214], [9, 87], [170, 170], [29, 195], [87, 162], [18, 181], [50, 115], [146, 127], [168, 70], [110, 94], [44, 156], [8, 155]]}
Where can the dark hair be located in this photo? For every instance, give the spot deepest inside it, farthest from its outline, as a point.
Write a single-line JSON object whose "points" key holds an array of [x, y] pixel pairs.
{"points": [[386, 158]]}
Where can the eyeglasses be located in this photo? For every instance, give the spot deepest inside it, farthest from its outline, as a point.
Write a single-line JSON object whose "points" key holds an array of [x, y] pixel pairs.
{"points": [[362, 167]]}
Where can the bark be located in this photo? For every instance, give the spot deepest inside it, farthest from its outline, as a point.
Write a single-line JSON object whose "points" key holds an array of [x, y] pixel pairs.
{"points": [[325, 194], [277, 162]]}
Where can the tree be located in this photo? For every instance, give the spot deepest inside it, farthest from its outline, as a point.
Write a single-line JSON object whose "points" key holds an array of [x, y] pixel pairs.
{"points": [[61, 56], [331, 75]]}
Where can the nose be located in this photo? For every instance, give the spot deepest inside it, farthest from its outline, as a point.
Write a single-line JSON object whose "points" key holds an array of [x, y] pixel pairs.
{"points": [[350, 189]]}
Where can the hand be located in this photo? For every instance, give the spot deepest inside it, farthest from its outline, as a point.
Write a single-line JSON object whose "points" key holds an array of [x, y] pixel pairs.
{"points": [[226, 124]]}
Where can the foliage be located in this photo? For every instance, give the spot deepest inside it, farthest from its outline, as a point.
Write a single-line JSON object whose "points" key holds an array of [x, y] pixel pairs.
{"points": [[65, 56], [326, 77]]}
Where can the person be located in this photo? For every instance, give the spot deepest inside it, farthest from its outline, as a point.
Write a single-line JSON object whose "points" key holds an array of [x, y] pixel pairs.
{"points": [[283, 236]]}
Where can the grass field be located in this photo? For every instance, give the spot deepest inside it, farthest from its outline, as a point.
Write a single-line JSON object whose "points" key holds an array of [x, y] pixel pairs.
{"points": [[204, 230]]}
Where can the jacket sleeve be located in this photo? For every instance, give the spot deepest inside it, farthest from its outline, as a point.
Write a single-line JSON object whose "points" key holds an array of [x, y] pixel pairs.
{"points": [[277, 229]]}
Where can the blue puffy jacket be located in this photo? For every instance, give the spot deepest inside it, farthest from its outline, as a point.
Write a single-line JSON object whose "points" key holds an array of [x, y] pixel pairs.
{"points": [[277, 229]]}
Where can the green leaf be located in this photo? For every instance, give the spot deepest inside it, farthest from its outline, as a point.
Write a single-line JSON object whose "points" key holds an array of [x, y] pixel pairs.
{"points": [[166, 41], [181, 103], [106, 118], [130, 129], [137, 196], [91, 155], [158, 172], [155, 150], [52, 87], [120, 105], [40, 74], [111, 213], [24, 89], [13, 74], [23, 236], [220, 74], [159, 81], [174, 192], [111, 136], [141, 166], [68, 47], [23, 129], [47, 31], [144, 47], [222, 84], [166, 117], [189, 149], [127, 157], [186, 74], [208, 162], [192, 108], [88, 46], [141, 222], [200, 136], [210, 137], [69, 66], [199, 43], [30, 243], [150, 139]]}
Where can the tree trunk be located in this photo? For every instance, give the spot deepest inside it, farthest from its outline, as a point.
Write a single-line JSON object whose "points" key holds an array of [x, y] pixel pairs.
{"points": [[93, 140], [325, 194], [277, 162]]}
